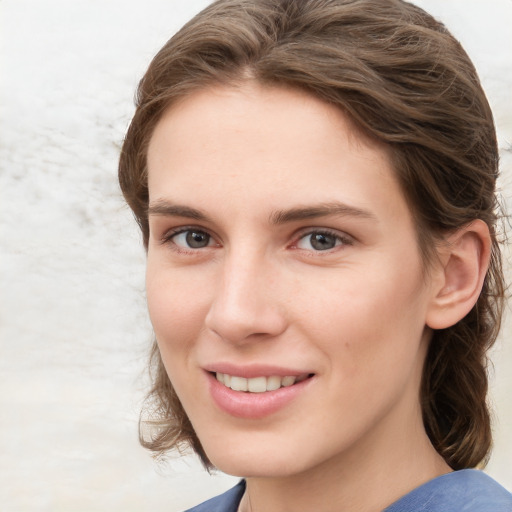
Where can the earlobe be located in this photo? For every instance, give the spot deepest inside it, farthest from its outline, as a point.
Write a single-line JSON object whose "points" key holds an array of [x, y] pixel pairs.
{"points": [[462, 269]]}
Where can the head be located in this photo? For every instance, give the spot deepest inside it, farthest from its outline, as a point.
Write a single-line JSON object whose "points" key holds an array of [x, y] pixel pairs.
{"points": [[404, 85]]}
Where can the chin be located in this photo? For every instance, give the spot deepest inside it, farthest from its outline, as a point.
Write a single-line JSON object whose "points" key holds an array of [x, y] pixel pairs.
{"points": [[258, 459], [254, 467]]}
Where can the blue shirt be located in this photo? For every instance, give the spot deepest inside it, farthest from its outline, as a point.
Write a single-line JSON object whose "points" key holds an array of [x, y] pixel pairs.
{"points": [[468, 490]]}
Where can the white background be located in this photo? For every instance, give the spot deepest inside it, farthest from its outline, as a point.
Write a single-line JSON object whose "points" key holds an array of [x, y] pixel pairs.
{"points": [[73, 326]]}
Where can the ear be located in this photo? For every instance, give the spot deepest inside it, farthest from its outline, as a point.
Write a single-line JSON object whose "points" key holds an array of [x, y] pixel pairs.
{"points": [[459, 276]]}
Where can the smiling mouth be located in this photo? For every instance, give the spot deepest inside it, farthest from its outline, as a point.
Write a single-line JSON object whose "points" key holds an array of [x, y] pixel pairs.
{"points": [[259, 384]]}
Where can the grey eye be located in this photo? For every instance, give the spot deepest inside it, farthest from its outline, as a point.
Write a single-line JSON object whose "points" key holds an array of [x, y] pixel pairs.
{"points": [[318, 241], [192, 239]]}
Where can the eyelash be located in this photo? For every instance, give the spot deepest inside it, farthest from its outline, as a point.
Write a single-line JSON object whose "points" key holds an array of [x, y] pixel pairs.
{"points": [[167, 239], [341, 239]]}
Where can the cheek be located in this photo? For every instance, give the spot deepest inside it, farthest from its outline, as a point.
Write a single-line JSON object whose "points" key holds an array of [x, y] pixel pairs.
{"points": [[370, 319], [176, 311], [177, 305]]}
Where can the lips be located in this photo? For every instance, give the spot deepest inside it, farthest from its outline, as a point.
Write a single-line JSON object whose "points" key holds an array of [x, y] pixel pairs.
{"points": [[256, 392]]}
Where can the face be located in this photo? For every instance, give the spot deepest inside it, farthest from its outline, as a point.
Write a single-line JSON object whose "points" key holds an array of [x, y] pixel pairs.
{"points": [[284, 281]]}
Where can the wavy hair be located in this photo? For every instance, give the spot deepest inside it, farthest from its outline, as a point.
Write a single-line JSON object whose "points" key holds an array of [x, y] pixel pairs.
{"points": [[406, 82]]}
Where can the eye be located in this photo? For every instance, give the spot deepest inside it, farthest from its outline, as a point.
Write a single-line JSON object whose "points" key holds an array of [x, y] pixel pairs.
{"points": [[191, 239], [321, 241]]}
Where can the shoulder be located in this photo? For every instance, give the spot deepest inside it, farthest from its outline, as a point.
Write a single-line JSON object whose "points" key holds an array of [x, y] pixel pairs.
{"points": [[468, 490], [227, 502]]}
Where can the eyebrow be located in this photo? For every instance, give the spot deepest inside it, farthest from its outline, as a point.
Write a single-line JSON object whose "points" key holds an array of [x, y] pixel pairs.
{"points": [[165, 208], [162, 207], [320, 210]]}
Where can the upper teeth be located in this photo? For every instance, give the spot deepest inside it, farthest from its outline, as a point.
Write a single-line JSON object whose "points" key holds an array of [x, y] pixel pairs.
{"points": [[257, 384]]}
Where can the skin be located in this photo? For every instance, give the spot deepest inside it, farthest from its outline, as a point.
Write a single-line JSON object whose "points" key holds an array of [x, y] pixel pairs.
{"points": [[355, 315]]}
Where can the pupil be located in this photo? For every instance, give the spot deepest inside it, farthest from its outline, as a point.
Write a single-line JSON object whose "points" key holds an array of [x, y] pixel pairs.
{"points": [[322, 242], [197, 239]]}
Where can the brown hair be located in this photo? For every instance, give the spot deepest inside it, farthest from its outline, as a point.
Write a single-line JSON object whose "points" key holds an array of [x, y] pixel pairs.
{"points": [[405, 81]]}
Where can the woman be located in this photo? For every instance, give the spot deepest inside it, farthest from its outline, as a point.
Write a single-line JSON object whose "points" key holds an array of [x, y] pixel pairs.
{"points": [[314, 182]]}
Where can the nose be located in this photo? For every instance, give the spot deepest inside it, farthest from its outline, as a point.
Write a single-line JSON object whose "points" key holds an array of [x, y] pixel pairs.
{"points": [[246, 305]]}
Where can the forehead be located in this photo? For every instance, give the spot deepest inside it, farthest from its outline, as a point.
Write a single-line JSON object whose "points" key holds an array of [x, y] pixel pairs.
{"points": [[266, 145], [260, 106]]}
